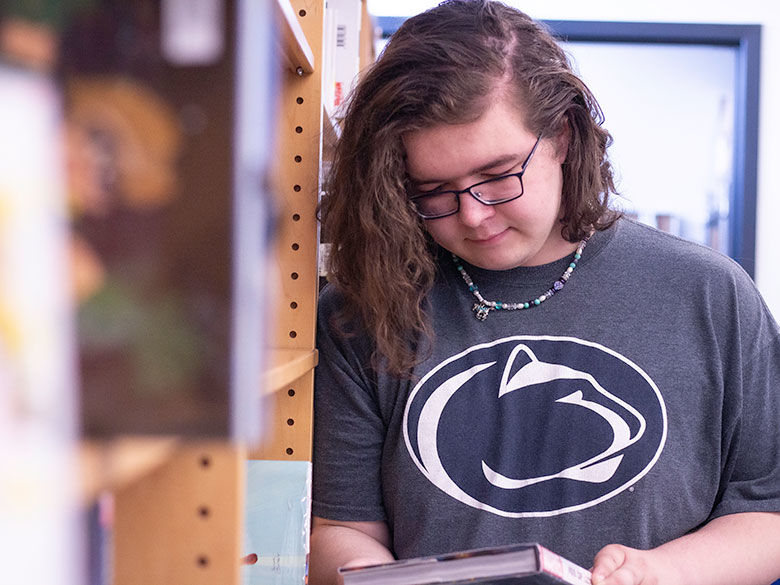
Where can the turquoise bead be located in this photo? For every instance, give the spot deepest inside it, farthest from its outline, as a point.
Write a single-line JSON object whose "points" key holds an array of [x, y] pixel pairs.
{"points": [[485, 306]]}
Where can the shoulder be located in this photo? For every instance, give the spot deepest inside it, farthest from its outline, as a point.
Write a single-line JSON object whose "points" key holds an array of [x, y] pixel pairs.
{"points": [[631, 233], [330, 300], [671, 272], [670, 257], [338, 328], [333, 316]]}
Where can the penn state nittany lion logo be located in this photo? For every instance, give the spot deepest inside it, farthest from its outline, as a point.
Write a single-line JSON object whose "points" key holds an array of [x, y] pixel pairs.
{"points": [[535, 426]]}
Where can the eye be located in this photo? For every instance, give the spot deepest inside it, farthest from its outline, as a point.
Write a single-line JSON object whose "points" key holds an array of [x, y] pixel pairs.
{"points": [[417, 188], [504, 170], [431, 191]]}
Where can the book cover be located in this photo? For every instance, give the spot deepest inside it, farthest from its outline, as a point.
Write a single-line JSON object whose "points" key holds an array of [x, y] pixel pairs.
{"points": [[277, 522], [344, 49], [524, 564]]}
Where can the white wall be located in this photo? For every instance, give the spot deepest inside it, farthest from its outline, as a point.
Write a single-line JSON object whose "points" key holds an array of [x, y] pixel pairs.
{"points": [[694, 11]]}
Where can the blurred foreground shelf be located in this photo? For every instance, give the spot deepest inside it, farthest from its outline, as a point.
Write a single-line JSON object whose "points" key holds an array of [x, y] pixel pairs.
{"points": [[112, 464]]}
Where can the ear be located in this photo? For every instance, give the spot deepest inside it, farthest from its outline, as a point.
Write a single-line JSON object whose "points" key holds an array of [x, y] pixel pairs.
{"points": [[561, 141]]}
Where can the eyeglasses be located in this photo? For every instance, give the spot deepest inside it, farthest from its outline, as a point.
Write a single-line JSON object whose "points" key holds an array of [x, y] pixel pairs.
{"points": [[490, 192]]}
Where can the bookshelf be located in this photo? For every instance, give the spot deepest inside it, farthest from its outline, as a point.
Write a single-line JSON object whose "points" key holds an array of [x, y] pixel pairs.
{"points": [[297, 185], [180, 502]]}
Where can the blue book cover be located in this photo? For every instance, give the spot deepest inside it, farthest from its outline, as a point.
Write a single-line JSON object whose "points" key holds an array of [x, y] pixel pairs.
{"points": [[277, 522]]}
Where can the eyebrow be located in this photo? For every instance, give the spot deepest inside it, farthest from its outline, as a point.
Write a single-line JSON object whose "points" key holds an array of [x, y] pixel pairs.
{"points": [[500, 161]]}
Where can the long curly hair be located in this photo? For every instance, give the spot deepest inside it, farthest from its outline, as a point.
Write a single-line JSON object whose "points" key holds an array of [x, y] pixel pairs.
{"points": [[444, 66]]}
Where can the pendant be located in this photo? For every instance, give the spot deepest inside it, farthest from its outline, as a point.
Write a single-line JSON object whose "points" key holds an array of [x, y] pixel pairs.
{"points": [[480, 311]]}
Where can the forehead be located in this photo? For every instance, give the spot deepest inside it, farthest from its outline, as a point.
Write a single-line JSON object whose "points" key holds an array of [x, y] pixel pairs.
{"points": [[449, 151]]}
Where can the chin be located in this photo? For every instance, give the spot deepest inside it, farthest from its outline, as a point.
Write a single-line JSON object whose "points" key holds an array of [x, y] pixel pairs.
{"points": [[494, 263]]}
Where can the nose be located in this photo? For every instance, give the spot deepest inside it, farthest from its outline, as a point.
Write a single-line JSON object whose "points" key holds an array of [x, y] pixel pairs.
{"points": [[472, 213]]}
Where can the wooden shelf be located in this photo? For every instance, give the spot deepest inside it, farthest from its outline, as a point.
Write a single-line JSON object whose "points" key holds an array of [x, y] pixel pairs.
{"points": [[287, 365], [295, 48], [109, 465]]}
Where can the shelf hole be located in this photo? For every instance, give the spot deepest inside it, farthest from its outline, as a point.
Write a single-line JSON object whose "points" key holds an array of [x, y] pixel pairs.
{"points": [[290, 422], [205, 461], [299, 100], [297, 188], [296, 246], [302, 12], [294, 276], [293, 334], [293, 305], [289, 451], [203, 561], [204, 511], [296, 217], [298, 158], [291, 392], [298, 129]]}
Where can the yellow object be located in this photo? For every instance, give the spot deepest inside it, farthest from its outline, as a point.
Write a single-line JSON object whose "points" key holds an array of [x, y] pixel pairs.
{"points": [[143, 133]]}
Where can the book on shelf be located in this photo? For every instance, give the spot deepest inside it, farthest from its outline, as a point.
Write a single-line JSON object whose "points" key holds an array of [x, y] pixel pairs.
{"points": [[277, 522], [517, 564], [343, 22]]}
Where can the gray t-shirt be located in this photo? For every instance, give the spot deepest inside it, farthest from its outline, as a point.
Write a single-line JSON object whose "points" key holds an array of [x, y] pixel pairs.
{"points": [[637, 404]]}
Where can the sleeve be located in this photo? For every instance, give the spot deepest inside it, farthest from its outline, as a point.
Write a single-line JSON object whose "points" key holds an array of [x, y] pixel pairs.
{"points": [[751, 439], [349, 431]]}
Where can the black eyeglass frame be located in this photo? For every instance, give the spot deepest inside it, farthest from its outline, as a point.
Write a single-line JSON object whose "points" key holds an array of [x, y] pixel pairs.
{"points": [[457, 194]]}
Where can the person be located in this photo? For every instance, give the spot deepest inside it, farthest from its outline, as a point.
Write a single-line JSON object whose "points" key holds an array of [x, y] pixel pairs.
{"points": [[506, 358]]}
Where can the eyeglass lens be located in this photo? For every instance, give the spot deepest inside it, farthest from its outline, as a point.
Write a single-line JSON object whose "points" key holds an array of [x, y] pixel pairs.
{"points": [[490, 192]]}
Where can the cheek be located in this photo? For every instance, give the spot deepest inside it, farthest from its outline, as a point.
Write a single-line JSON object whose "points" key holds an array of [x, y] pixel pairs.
{"points": [[543, 199], [533, 213], [441, 230]]}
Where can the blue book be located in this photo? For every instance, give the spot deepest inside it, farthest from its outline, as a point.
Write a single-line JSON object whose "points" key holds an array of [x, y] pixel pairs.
{"points": [[277, 522]]}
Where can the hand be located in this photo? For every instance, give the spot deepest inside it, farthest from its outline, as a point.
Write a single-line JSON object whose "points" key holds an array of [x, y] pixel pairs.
{"points": [[359, 562], [620, 565]]}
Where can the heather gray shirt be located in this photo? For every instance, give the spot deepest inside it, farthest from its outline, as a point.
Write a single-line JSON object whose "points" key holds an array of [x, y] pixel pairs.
{"points": [[638, 403]]}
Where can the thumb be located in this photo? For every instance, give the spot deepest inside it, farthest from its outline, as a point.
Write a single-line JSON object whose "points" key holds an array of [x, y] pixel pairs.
{"points": [[607, 561]]}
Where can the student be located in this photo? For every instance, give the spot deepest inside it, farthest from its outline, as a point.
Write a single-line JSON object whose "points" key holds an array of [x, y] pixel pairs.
{"points": [[505, 359]]}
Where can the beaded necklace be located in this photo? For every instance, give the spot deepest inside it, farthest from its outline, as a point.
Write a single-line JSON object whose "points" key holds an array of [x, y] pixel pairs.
{"points": [[483, 307]]}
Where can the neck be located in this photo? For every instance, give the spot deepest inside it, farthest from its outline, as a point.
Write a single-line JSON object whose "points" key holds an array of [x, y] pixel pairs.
{"points": [[483, 306], [554, 249]]}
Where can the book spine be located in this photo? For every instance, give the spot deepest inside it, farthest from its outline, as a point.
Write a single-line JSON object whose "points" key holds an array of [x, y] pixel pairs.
{"points": [[562, 568]]}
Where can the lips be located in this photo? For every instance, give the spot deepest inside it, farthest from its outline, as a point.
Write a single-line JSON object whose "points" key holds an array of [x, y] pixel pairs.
{"points": [[486, 239]]}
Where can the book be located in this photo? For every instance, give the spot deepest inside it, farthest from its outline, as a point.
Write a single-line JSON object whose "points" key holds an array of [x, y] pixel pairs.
{"points": [[277, 522], [343, 24], [526, 564]]}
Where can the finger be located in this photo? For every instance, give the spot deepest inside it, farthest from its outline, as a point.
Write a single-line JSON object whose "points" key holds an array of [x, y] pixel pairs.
{"points": [[625, 575], [608, 560]]}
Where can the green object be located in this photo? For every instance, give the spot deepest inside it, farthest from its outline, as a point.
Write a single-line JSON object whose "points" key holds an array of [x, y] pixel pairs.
{"points": [[54, 13]]}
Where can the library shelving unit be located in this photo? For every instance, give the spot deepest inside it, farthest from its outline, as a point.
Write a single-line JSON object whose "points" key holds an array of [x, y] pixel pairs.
{"points": [[180, 506], [293, 356]]}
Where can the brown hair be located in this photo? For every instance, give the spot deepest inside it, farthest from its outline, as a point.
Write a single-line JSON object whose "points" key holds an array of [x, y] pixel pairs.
{"points": [[444, 66]]}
